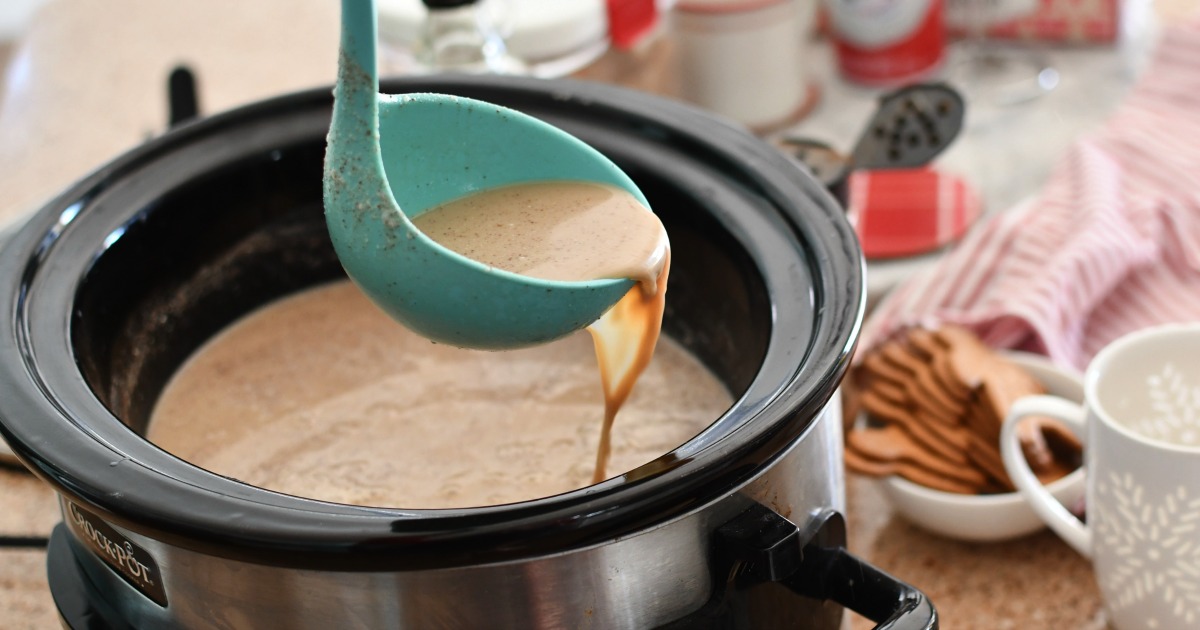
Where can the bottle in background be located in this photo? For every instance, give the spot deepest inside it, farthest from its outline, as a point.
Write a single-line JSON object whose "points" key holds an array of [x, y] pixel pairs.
{"points": [[460, 36], [887, 42]]}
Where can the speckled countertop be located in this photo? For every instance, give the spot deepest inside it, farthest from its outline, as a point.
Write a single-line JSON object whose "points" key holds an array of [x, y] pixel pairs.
{"points": [[86, 82]]}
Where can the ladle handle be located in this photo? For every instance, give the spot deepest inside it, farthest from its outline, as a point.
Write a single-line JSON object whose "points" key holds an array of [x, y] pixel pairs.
{"points": [[355, 107], [358, 46]]}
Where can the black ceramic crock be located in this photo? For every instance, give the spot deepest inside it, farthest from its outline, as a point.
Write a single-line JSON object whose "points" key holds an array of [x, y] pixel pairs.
{"points": [[110, 287]]}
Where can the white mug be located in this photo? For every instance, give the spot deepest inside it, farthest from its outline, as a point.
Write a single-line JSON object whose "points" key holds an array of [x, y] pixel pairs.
{"points": [[1140, 424]]}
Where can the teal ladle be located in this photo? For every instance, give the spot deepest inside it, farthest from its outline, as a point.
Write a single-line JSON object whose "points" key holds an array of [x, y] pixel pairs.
{"points": [[390, 158]]}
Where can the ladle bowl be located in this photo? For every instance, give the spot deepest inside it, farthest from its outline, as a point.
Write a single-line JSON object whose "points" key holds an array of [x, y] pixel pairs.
{"points": [[391, 158]]}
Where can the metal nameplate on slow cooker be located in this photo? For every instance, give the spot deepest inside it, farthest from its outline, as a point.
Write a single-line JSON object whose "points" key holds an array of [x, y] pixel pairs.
{"points": [[129, 560]]}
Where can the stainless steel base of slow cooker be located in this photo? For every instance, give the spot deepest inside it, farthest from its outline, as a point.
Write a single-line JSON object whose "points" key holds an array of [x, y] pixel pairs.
{"points": [[766, 555]]}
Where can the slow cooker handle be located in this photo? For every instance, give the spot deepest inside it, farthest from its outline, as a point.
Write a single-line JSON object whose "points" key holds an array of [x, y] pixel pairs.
{"points": [[833, 573], [760, 546]]}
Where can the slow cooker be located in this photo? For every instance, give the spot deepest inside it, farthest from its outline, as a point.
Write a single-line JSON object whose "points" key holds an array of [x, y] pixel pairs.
{"points": [[110, 286]]}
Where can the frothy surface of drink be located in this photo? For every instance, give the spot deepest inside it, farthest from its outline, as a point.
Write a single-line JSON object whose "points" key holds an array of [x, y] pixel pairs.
{"points": [[322, 395]]}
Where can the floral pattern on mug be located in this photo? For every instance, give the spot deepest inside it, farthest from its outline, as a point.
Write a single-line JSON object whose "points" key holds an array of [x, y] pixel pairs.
{"points": [[1156, 548], [1176, 409]]}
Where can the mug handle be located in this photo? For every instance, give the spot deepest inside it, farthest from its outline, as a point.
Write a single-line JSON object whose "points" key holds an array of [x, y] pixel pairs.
{"points": [[1072, 530]]}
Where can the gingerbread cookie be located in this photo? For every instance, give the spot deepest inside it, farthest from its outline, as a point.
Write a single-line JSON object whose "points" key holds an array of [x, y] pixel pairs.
{"points": [[986, 456], [937, 399], [925, 343], [876, 368], [948, 379], [938, 442], [1051, 449], [892, 444], [924, 387], [915, 474]]}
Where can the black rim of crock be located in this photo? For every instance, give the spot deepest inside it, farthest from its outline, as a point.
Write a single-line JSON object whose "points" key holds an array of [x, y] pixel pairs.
{"points": [[175, 503]]}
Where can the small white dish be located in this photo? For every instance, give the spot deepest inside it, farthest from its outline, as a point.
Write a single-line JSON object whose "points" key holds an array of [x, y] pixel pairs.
{"points": [[990, 517]]}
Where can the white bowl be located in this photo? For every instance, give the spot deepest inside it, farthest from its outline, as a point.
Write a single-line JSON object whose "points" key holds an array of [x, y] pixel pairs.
{"points": [[990, 517]]}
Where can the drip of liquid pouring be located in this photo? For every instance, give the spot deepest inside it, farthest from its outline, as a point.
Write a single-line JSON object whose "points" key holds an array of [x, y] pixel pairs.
{"points": [[625, 337], [567, 230]]}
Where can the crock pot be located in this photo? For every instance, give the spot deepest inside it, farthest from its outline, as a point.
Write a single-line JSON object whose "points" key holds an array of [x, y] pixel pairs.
{"points": [[110, 286]]}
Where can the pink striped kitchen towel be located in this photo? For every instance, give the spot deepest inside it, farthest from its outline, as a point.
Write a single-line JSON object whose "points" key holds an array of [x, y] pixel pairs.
{"points": [[1111, 244]]}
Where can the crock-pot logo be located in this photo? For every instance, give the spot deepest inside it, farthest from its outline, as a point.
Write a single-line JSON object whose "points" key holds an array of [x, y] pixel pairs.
{"points": [[130, 561]]}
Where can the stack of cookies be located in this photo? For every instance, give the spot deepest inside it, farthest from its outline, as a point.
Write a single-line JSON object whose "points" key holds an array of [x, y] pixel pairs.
{"points": [[935, 400]]}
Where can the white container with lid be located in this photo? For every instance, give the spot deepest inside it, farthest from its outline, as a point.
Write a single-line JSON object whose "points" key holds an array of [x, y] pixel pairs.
{"points": [[746, 59]]}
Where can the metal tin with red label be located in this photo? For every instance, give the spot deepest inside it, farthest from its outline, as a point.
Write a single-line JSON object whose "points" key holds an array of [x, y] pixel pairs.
{"points": [[887, 42]]}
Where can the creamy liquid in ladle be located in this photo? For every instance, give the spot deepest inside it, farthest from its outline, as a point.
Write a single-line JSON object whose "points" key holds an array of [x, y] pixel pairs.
{"points": [[415, 424], [554, 230], [573, 231]]}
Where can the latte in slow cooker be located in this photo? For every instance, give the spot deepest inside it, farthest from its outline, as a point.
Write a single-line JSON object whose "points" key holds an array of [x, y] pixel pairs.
{"points": [[322, 395]]}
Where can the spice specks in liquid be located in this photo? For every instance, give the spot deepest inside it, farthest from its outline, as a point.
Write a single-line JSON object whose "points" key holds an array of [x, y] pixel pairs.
{"points": [[573, 231], [321, 395], [553, 230]]}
